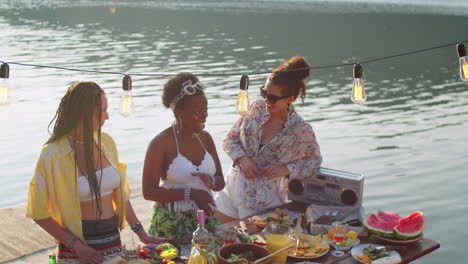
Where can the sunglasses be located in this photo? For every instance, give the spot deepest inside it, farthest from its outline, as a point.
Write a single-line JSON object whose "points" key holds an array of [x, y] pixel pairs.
{"points": [[187, 89], [271, 97]]}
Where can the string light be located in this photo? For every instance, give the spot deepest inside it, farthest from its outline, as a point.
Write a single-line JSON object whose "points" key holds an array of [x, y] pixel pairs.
{"points": [[358, 94], [243, 103], [463, 62], [126, 101], [4, 84], [243, 100]]}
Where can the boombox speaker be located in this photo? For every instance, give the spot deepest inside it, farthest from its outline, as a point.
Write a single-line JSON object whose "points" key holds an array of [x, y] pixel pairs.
{"points": [[329, 187]]}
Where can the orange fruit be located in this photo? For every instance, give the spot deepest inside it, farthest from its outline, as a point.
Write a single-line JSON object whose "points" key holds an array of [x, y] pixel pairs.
{"points": [[331, 233]]}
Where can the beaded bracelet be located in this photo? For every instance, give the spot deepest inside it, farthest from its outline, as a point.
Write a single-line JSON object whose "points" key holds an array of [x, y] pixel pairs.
{"points": [[137, 227], [71, 242], [187, 193]]}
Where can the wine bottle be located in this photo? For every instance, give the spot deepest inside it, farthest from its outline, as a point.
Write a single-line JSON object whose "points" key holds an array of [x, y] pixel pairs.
{"points": [[203, 243]]}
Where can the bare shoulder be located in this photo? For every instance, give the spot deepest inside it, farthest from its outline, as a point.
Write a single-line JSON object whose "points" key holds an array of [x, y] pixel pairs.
{"points": [[161, 141], [206, 137]]}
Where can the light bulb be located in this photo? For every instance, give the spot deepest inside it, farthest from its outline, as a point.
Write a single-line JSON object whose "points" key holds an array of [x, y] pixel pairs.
{"points": [[126, 101], [4, 84], [463, 62], [358, 94], [243, 100]]}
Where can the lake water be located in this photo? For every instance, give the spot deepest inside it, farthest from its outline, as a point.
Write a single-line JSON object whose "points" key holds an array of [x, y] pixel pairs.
{"points": [[409, 140]]}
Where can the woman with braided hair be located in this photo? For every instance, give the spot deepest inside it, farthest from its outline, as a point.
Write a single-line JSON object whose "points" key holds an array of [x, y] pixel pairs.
{"points": [[79, 193]]}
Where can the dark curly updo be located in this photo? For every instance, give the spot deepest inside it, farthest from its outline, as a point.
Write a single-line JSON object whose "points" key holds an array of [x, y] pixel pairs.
{"points": [[173, 87], [290, 80]]}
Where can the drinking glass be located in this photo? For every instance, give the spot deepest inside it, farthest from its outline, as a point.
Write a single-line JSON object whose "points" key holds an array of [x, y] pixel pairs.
{"points": [[339, 233], [278, 237], [131, 251]]}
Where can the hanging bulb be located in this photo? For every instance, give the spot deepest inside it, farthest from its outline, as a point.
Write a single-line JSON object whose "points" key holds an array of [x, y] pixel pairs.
{"points": [[243, 101], [126, 101], [358, 95], [4, 84], [463, 62]]}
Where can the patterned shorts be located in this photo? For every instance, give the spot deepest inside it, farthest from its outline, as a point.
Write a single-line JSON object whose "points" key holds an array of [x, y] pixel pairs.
{"points": [[176, 225]]}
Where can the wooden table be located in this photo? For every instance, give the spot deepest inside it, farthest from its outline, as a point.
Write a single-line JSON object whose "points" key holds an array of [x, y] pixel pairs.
{"points": [[408, 252]]}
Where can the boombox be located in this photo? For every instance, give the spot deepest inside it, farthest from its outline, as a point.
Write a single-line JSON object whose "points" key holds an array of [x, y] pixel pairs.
{"points": [[329, 188]]}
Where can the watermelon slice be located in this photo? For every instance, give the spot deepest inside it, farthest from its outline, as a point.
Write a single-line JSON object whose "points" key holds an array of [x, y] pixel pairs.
{"points": [[390, 217], [410, 227], [379, 227]]}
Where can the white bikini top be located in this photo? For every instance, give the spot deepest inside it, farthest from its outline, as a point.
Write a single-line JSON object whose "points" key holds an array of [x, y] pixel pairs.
{"points": [[179, 173], [110, 180]]}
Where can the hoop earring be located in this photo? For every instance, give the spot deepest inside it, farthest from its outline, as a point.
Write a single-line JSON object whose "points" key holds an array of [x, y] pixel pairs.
{"points": [[179, 125], [289, 110]]}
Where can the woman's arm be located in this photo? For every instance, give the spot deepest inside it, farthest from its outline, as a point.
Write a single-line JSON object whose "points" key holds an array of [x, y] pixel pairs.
{"points": [[231, 142], [218, 177], [308, 151], [152, 171], [137, 227], [305, 154], [84, 252]]}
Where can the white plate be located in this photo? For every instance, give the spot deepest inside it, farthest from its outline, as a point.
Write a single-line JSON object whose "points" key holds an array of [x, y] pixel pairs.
{"points": [[357, 250], [344, 248]]}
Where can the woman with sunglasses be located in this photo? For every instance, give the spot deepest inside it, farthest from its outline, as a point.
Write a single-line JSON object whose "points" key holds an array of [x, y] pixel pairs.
{"points": [[182, 165], [269, 146]]}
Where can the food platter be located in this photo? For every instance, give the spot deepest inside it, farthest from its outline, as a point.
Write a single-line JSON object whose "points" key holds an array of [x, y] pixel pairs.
{"points": [[276, 217], [322, 248], [400, 241], [359, 250]]}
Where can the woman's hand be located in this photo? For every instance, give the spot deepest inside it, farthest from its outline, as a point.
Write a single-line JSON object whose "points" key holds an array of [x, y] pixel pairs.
{"points": [[249, 168], [147, 239], [88, 255], [203, 200], [275, 171], [205, 178]]}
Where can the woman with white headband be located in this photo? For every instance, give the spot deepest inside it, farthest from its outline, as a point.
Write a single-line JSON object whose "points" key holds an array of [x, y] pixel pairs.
{"points": [[181, 164], [269, 146]]}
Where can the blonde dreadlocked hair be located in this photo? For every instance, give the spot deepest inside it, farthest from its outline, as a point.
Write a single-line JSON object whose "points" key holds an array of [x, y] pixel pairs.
{"points": [[79, 103]]}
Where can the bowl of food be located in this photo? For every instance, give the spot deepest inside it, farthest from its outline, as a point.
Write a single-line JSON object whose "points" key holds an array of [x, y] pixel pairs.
{"points": [[233, 253]]}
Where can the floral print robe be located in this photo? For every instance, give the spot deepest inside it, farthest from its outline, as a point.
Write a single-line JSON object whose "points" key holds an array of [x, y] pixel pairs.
{"points": [[295, 147]]}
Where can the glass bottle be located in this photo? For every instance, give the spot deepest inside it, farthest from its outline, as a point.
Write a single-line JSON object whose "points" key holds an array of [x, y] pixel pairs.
{"points": [[52, 258], [203, 244]]}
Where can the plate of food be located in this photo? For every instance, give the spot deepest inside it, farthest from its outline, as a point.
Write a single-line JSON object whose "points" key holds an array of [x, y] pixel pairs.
{"points": [[375, 254], [309, 247], [350, 240], [276, 217], [164, 251]]}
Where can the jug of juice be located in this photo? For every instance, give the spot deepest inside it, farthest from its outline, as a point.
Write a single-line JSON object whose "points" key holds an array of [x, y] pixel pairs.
{"points": [[279, 237]]}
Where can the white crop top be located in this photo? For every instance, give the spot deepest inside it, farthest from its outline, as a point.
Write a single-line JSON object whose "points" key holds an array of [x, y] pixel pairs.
{"points": [[179, 172], [110, 180]]}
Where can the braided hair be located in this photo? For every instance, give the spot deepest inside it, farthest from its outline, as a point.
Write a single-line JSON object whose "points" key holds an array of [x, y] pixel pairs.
{"points": [[79, 104]]}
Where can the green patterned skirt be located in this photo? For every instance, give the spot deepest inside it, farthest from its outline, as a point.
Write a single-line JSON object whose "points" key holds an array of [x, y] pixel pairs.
{"points": [[167, 223]]}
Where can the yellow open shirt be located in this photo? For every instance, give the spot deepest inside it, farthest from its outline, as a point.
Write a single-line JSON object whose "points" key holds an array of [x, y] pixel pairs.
{"points": [[53, 191]]}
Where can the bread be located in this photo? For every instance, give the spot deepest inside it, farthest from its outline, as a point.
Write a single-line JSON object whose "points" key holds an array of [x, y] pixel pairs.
{"points": [[115, 260], [138, 261]]}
